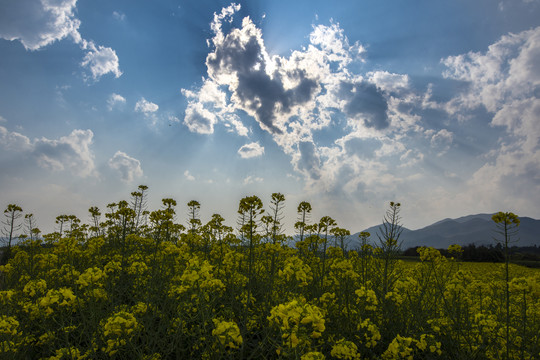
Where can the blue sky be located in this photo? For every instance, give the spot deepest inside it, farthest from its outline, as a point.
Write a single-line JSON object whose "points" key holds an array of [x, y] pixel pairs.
{"points": [[347, 105]]}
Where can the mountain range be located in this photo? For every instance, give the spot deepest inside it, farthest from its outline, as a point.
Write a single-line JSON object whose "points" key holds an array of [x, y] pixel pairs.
{"points": [[476, 229]]}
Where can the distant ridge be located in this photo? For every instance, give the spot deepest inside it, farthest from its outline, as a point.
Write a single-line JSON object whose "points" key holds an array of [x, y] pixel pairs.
{"points": [[476, 229]]}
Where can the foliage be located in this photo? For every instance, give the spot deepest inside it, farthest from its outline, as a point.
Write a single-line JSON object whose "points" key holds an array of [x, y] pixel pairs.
{"points": [[140, 286]]}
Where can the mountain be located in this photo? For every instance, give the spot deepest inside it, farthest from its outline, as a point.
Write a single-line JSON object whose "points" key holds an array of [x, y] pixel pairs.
{"points": [[476, 229]]}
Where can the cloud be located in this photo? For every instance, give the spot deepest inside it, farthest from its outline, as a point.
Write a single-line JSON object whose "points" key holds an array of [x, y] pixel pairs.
{"points": [[173, 119], [294, 97], [14, 141], [251, 150], [198, 119], [288, 97], [72, 152], [100, 61], [236, 125], [364, 101], [388, 81], [128, 167], [146, 107], [307, 160], [442, 139], [39, 23], [251, 180], [189, 176], [241, 63], [114, 100], [508, 70], [505, 81], [118, 15], [411, 157], [335, 44]]}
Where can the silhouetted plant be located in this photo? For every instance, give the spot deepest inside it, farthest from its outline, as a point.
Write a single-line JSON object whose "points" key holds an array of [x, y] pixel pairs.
{"points": [[507, 227]]}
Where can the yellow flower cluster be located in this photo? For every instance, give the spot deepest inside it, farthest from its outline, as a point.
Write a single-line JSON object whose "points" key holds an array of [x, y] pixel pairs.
{"points": [[68, 353], [295, 269], [429, 254], [62, 298], [313, 355], [34, 287], [9, 333], [118, 330], [455, 249], [367, 298], [399, 348], [344, 349], [371, 335], [197, 277], [293, 319], [227, 334]]}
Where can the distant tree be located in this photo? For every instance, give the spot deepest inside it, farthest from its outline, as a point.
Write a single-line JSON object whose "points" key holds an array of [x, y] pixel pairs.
{"points": [[507, 227], [12, 214]]}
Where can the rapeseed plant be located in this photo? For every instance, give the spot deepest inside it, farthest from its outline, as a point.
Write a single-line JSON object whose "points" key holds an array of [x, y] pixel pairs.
{"points": [[131, 288]]}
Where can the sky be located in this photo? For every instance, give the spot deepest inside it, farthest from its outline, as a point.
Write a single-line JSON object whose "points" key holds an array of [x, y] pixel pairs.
{"points": [[345, 104]]}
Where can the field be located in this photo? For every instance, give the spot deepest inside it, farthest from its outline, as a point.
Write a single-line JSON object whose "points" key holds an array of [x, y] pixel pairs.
{"points": [[205, 293]]}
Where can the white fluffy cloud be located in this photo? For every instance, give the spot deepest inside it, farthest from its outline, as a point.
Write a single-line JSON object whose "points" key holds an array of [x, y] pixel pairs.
{"points": [[505, 80], [14, 141], [508, 70], [39, 23], [146, 107], [100, 61], [114, 100], [360, 136], [72, 152], [198, 119], [293, 97], [251, 150], [128, 167]]}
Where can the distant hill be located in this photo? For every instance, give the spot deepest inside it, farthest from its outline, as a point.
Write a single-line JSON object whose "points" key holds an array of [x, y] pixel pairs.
{"points": [[472, 229]]}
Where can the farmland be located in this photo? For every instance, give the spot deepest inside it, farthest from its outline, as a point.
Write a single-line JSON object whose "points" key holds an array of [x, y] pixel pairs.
{"points": [[161, 291]]}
